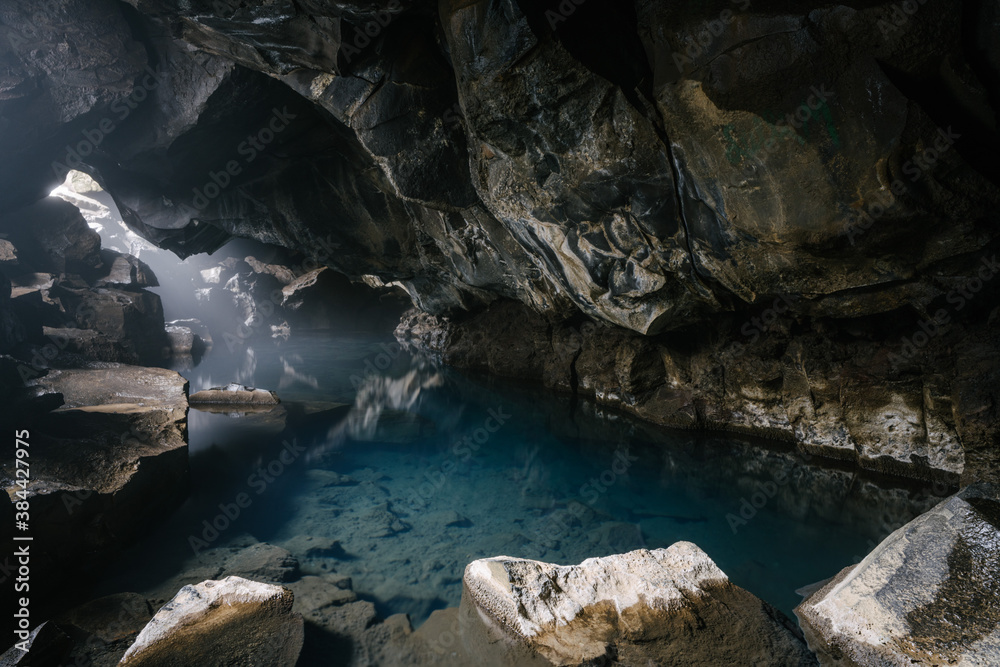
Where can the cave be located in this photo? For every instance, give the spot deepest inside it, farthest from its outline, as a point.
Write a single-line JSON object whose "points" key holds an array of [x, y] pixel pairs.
{"points": [[499, 332]]}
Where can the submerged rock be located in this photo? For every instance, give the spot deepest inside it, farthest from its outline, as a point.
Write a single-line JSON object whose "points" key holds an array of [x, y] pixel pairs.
{"points": [[929, 594], [235, 394], [230, 622], [665, 607]]}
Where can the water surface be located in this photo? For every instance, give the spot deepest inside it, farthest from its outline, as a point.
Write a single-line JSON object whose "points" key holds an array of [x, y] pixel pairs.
{"points": [[414, 470]]}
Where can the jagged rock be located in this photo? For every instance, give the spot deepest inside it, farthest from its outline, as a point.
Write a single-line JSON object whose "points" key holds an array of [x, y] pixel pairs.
{"points": [[133, 320], [235, 394], [929, 594], [228, 622], [125, 271], [8, 255], [103, 629], [637, 606], [283, 274], [51, 236]]}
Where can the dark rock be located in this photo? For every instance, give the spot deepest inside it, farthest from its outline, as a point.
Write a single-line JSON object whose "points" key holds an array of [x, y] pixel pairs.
{"points": [[51, 236], [125, 271], [47, 646], [263, 562], [927, 593], [105, 467], [184, 342], [132, 320]]}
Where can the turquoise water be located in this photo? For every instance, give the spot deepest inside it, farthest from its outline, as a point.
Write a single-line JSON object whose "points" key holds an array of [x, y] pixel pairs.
{"points": [[416, 470]]}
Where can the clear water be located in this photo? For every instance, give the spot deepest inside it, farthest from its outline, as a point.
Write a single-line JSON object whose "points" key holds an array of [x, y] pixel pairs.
{"points": [[423, 469]]}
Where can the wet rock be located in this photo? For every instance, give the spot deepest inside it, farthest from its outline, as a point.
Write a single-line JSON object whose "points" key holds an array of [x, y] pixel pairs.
{"points": [[928, 594], [232, 622], [309, 546], [235, 394], [315, 594], [638, 607], [103, 629], [197, 328], [322, 299], [184, 342]]}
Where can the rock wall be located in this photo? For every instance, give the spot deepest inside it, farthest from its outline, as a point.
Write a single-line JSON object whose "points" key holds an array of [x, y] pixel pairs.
{"points": [[851, 391]]}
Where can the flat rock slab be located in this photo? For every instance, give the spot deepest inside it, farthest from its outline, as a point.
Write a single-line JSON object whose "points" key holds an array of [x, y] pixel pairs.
{"points": [[929, 594], [108, 386], [234, 394], [666, 607], [229, 622], [105, 466]]}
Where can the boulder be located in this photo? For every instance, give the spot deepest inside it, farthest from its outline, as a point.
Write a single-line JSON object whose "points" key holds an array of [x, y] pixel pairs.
{"points": [[667, 607], [8, 255], [52, 236], [929, 594], [184, 342], [235, 394], [133, 320], [229, 622], [125, 271]]}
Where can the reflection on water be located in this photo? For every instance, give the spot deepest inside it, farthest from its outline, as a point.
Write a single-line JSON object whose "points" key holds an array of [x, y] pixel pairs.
{"points": [[416, 470]]}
